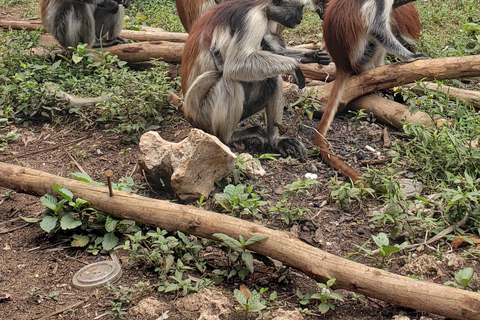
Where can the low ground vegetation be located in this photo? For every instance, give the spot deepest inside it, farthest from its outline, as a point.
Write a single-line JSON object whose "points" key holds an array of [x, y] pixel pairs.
{"points": [[376, 224]]}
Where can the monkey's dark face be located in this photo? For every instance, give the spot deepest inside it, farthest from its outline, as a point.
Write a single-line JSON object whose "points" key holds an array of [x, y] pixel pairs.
{"points": [[288, 13]]}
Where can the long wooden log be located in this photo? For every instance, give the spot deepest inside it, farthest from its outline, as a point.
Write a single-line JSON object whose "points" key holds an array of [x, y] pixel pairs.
{"points": [[280, 245], [468, 97], [144, 51], [145, 34]]}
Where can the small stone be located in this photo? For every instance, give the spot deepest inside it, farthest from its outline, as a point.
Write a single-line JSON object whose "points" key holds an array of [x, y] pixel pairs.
{"points": [[263, 282], [340, 235], [251, 168], [311, 167], [360, 230]]}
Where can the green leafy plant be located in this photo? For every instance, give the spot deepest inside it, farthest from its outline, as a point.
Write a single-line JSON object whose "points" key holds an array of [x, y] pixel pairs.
{"points": [[164, 252], [343, 192], [463, 278], [6, 138], [240, 260], [385, 250], [325, 296], [74, 216], [286, 207], [254, 304], [473, 45], [240, 200]]}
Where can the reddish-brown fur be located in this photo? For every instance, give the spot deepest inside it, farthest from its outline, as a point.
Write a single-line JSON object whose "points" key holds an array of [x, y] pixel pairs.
{"points": [[347, 33], [341, 37], [406, 22], [193, 46], [189, 11], [43, 8]]}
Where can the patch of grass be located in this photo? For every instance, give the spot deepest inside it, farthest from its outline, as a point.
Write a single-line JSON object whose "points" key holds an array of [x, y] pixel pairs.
{"points": [[155, 13], [442, 21], [309, 30], [138, 97]]}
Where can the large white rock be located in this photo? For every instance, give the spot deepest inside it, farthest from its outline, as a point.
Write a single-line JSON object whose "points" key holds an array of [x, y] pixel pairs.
{"points": [[190, 167]]}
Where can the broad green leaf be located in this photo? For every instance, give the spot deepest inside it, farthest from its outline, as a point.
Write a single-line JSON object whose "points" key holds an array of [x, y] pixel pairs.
{"points": [[48, 223], [229, 241], [254, 239], [111, 223], [248, 259], [109, 242], [388, 250], [172, 287], [336, 296], [331, 282], [323, 308], [69, 222], [49, 201], [79, 240], [76, 58], [381, 239], [240, 297], [64, 192]]}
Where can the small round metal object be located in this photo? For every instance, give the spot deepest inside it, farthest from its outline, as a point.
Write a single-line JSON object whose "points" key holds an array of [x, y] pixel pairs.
{"points": [[97, 274]]}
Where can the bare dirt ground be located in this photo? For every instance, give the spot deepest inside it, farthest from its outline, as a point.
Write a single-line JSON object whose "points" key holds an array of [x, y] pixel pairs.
{"points": [[34, 265]]}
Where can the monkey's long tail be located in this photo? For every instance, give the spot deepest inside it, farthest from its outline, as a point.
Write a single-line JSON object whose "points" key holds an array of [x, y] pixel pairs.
{"points": [[333, 105], [198, 90]]}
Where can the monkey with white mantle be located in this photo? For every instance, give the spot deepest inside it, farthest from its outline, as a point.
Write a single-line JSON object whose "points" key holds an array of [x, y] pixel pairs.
{"points": [[86, 21], [357, 34], [231, 69]]}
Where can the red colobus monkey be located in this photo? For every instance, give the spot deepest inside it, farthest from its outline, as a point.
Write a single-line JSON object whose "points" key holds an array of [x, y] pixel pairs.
{"points": [[190, 11], [405, 21], [86, 21], [357, 35], [232, 66]]}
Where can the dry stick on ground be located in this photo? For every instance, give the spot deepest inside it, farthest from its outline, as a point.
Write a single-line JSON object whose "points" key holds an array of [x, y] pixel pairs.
{"points": [[280, 245], [468, 97]]}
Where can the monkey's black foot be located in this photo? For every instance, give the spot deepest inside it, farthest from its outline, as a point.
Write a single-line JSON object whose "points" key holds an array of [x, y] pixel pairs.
{"points": [[111, 42], [292, 147], [254, 137]]}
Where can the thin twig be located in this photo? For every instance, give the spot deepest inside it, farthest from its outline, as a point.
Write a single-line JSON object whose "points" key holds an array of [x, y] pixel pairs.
{"points": [[44, 150], [76, 304]]}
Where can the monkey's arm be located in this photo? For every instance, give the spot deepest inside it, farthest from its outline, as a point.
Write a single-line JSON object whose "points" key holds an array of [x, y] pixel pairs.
{"points": [[257, 66]]}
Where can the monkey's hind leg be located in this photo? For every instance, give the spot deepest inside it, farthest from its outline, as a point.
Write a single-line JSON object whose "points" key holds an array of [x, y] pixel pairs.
{"points": [[286, 146], [110, 23]]}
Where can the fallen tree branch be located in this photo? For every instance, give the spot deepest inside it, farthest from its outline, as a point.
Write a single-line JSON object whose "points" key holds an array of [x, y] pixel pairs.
{"points": [[467, 97], [145, 34], [283, 246], [76, 101]]}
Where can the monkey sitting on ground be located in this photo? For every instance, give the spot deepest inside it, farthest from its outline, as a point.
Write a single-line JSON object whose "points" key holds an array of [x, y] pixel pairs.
{"points": [[232, 66], [357, 35], [86, 21]]}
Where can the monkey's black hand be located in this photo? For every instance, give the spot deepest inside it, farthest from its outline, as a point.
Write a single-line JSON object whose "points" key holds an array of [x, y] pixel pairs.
{"points": [[322, 57], [110, 6], [292, 147], [299, 78]]}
